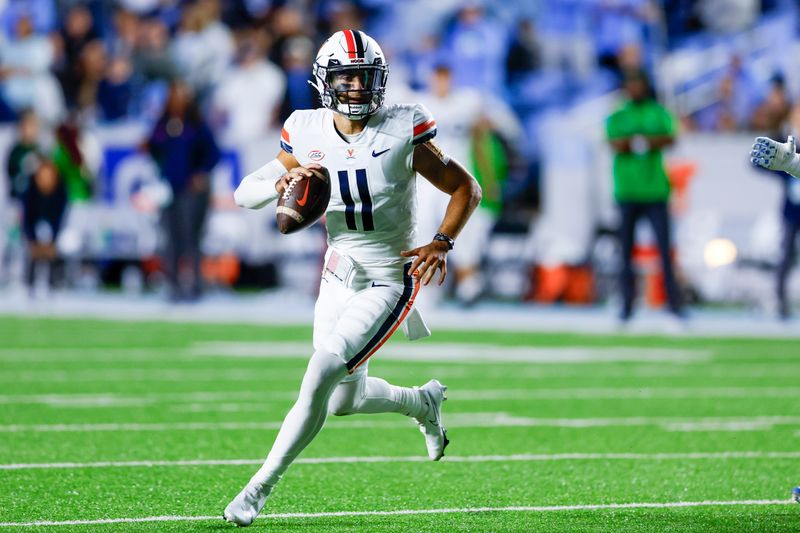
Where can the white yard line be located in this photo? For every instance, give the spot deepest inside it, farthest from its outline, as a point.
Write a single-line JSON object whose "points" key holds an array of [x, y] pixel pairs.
{"points": [[245, 401], [182, 375], [461, 420], [522, 457], [111, 399], [625, 393], [466, 352], [411, 512], [441, 352], [89, 354]]}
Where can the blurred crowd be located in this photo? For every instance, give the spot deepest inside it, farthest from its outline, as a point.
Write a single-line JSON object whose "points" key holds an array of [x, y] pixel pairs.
{"points": [[67, 66]]}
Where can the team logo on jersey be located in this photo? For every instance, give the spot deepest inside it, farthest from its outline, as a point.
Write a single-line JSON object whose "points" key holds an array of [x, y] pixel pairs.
{"points": [[316, 155], [350, 153]]}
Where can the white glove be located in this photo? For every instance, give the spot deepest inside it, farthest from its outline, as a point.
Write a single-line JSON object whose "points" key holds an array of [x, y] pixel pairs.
{"points": [[774, 155]]}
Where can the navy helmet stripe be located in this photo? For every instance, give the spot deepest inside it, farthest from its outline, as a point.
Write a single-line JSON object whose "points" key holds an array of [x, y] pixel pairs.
{"points": [[394, 316], [359, 44]]}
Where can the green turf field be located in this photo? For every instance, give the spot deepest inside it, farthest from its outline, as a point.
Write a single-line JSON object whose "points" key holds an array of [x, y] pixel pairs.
{"points": [[549, 432]]}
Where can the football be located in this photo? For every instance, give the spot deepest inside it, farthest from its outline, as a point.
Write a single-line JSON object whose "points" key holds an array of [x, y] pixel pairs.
{"points": [[304, 201]]}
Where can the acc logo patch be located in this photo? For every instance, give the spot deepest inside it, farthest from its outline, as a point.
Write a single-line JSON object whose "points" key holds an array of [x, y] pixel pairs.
{"points": [[316, 155]]}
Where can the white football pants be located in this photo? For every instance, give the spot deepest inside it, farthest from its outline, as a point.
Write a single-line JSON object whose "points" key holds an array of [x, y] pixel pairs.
{"points": [[350, 324]]}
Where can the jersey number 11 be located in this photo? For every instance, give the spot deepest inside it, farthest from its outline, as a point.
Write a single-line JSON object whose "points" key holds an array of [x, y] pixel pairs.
{"points": [[363, 196]]}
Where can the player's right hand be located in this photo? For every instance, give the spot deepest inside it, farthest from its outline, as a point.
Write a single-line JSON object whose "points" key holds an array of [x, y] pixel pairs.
{"points": [[773, 155], [295, 174]]}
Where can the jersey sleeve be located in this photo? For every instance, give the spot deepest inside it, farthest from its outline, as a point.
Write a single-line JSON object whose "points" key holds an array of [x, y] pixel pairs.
{"points": [[424, 125], [286, 133]]}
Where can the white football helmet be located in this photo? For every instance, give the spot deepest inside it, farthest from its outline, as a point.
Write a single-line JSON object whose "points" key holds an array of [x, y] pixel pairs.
{"points": [[350, 74]]}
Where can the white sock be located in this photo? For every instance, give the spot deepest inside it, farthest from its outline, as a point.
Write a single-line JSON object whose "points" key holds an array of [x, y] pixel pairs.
{"points": [[370, 395], [305, 418]]}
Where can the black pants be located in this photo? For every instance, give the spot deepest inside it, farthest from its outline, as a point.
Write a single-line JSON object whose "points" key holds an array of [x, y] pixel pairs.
{"points": [[790, 231], [54, 271], [184, 220], [657, 214]]}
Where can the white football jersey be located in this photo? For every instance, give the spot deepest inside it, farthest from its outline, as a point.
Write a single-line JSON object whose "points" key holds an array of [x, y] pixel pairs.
{"points": [[372, 212]]}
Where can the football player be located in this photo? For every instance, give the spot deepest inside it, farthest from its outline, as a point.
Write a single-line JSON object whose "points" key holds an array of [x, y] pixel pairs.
{"points": [[774, 155], [371, 273]]}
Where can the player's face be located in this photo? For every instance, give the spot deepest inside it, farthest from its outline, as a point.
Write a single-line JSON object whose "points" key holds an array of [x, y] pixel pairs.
{"points": [[353, 86]]}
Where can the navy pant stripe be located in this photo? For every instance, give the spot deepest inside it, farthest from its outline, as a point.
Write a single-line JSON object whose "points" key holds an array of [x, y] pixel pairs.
{"points": [[393, 317]]}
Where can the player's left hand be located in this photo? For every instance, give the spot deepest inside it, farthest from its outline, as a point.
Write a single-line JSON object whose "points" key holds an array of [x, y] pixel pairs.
{"points": [[428, 259]]}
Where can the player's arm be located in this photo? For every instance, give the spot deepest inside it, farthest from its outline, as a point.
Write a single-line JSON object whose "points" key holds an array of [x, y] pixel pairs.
{"points": [[774, 155], [450, 177], [624, 145], [263, 186], [657, 142], [621, 145], [668, 132]]}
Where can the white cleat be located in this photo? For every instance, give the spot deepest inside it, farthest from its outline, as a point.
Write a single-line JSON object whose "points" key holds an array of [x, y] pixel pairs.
{"points": [[430, 424], [247, 504]]}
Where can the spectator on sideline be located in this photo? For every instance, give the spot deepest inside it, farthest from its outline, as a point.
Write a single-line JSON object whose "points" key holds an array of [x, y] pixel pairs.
{"points": [[638, 131], [184, 149], [247, 101], [477, 45], [43, 207], [620, 23], [71, 163], [91, 70], [115, 91], [467, 134], [457, 113], [77, 32], [43, 14], [203, 47], [773, 112], [737, 97], [297, 55], [23, 159], [25, 78]]}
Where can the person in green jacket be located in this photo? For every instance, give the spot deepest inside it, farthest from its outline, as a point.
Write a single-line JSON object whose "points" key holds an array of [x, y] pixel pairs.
{"points": [[638, 131], [70, 162]]}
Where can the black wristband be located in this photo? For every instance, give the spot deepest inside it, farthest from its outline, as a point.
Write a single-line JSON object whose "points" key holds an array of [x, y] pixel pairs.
{"points": [[444, 238]]}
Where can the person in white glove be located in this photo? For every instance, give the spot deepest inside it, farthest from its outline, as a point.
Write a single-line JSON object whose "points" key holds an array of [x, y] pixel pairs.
{"points": [[774, 155]]}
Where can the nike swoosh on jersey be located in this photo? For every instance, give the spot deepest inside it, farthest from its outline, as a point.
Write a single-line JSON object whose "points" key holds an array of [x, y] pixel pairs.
{"points": [[302, 201], [380, 153], [378, 285]]}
